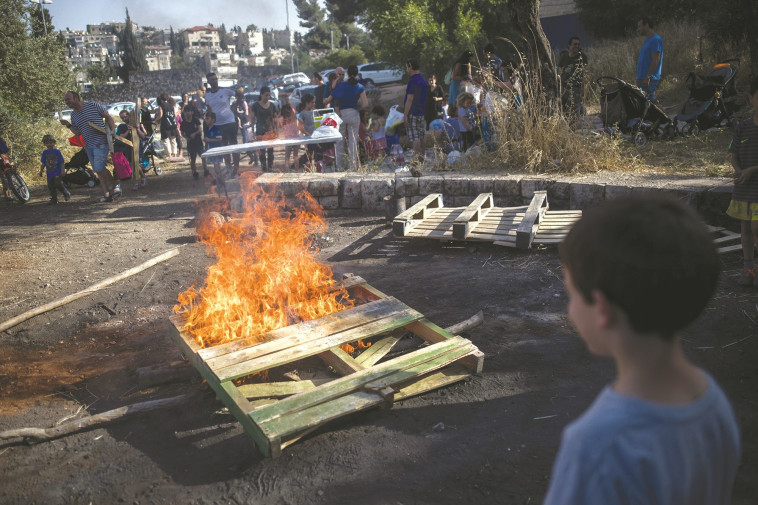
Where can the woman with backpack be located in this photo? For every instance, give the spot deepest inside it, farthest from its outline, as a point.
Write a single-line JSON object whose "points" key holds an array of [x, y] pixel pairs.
{"points": [[166, 117]]}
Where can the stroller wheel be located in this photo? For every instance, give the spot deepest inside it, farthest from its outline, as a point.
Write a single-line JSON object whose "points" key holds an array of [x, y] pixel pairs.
{"points": [[669, 132], [640, 139], [691, 129], [158, 170]]}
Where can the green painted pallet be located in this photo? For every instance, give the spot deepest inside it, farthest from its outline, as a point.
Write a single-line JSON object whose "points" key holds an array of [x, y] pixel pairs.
{"points": [[277, 414]]}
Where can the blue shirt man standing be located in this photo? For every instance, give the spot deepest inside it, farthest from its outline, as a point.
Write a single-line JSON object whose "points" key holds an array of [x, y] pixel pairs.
{"points": [[650, 61], [415, 106]]}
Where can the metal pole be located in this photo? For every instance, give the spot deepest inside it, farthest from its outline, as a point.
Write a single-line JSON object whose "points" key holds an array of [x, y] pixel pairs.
{"points": [[42, 11], [289, 34], [331, 35]]}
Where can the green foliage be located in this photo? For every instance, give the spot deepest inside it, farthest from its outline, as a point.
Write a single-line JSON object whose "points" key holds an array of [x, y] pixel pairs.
{"points": [[436, 33], [40, 26], [101, 73], [133, 52], [731, 23], [339, 57], [222, 36]]}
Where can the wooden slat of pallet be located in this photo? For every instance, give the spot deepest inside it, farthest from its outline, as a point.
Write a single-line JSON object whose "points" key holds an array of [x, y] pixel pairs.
{"points": [[407, 220], [307, 329], [304, 410], [727, 238], [438, 379], [472, 215], [736, 247], [532, 218], [227, 392], [342, 362], [279, 389], [379, 349], [242, 363]]}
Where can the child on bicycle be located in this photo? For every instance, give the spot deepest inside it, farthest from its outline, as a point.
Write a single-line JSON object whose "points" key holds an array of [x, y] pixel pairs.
{"points": [[52, 161]]}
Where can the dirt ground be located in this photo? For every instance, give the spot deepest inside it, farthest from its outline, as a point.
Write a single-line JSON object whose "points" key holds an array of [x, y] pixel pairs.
{"points": [[489, 439]]}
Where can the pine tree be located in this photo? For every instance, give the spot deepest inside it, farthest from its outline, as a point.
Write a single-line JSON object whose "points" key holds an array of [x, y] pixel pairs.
{"points": [[132, 51]]}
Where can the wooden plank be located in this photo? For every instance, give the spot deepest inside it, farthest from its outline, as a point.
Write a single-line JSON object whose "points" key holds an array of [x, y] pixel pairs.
{"points": [[472, 215], [315, 328], [727, 238], [316, 407], [436, 380], [532, 218], [241, 365], [232, 399], [279, 389], [379, 349], [342, 362], [722, 250], [407, 220], [356, 381]]}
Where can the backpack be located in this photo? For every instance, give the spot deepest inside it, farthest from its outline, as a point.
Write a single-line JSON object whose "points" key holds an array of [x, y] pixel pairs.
{"points": [[121, 166]]}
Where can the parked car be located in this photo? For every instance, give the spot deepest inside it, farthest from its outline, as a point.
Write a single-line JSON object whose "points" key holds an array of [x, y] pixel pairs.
{"points": [[380, 72], [297, 94], [325, 73], [286, 91], [115, 108], [298, 77], [65, 114], [254, 96]]}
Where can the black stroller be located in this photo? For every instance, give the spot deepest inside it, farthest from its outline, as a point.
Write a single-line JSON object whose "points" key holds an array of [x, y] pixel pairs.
{"points": [[626, 107], [150, 147], [75, 170], [712, 98]]}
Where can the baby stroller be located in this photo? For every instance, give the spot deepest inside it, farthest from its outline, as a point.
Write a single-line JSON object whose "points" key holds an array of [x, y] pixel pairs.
{"points": [[626, 107], [712, 98], [150, 147], [76, 170]]}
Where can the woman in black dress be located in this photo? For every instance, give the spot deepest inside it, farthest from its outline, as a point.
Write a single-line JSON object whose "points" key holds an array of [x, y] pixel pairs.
{"points": [[434, 97]]}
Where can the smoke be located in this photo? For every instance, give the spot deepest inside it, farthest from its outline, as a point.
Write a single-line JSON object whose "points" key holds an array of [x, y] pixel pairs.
{"points": [[182, 14]]}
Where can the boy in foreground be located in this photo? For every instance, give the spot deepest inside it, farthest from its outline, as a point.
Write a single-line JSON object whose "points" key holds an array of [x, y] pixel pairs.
{"points": [[637, 271]]}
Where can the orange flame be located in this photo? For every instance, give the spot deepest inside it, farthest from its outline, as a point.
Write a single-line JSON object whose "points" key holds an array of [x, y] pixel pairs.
{"points": [[266, 276]]}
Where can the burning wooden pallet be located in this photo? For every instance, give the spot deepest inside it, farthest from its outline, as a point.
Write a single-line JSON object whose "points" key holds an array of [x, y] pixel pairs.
{"points": [[481, 221], [277, 414], [725, 240]]}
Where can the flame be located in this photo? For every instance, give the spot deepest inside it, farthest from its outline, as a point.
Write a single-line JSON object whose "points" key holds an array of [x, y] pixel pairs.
{"points": [[266, 275]]}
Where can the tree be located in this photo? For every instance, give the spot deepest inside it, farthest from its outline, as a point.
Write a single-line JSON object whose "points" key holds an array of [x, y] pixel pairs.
{"points": [[132, 51], [41, 28], [733, 23], [222, 37]]}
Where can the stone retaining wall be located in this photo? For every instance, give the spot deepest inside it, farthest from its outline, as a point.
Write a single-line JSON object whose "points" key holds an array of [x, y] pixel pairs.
{"points": [[366, 192]]}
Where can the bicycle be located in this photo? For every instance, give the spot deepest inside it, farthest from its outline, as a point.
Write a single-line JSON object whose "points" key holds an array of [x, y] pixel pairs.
{"points": [[13, 178]]}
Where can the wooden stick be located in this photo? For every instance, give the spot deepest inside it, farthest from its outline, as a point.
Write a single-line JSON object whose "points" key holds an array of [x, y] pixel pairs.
{"points": [[95, 287], [469, 323], [33, 435]]}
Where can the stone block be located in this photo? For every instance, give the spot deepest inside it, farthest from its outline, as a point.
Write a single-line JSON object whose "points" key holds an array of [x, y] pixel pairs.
{"points": [[479, 184], [584, 196], [374, 189], [430, 184], [292, 187], [328, 186], [558, 190], [613, 191], [350, 193], [329, 202], [406, 186], [459, 201], [456, 185], [532, 184], [413, 200], [507, 187]]}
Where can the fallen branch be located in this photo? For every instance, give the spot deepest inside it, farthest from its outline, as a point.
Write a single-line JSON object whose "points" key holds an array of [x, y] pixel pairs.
{"points": [[95, 287], [34, 435], [469, 323]]}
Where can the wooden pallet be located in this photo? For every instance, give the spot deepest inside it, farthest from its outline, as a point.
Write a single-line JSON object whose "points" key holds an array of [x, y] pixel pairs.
{"points": [[725, 240], [518, 227], [277, 414]]}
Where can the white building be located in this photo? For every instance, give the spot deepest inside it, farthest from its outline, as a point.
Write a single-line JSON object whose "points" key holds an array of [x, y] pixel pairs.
{"points": [[158, 57], [201, 40]]}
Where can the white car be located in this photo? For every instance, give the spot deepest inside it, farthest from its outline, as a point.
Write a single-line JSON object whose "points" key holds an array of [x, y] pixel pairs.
{"points": [[65, 114], [116, 108], [293, 78], [380, 72], [297, 95], [325, 73]]}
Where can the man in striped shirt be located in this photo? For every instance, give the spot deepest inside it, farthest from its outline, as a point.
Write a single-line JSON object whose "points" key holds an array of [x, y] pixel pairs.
{"points": [[95, 141]]}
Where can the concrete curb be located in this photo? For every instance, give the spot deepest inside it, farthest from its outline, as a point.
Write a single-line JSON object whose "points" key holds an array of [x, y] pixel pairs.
{"points": [[366, 192]]}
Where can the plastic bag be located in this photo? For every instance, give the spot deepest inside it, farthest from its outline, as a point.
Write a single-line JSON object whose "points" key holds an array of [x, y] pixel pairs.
{"points": [[330, 126], [121, 166], [393, 117]]}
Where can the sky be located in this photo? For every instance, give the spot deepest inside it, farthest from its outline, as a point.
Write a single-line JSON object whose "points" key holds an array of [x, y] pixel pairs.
{"points": [[77, 14]]}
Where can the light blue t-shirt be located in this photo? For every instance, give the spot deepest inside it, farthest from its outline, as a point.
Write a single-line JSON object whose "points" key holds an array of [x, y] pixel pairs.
{"points": [[653, 44], [623, 450]]}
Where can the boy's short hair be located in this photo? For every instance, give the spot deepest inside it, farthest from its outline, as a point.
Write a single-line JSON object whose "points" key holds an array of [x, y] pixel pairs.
{"points": [[646, 21], [210, 115], [650, 256], [413, 63], [463, 97], [452, 109], [378, 110], [48, 138]]}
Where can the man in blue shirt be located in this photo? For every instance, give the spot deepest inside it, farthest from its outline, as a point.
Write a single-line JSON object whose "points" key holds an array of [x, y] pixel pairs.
{"points": [[650, 61], [415, 107]]}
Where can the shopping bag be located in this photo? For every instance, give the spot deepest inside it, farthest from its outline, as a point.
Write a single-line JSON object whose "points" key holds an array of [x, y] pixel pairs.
{"points": [[330, 126], [121, 166], [393, 117]]}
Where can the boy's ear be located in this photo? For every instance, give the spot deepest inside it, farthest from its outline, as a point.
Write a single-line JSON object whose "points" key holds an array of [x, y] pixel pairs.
{"points": [[604, 310]]}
